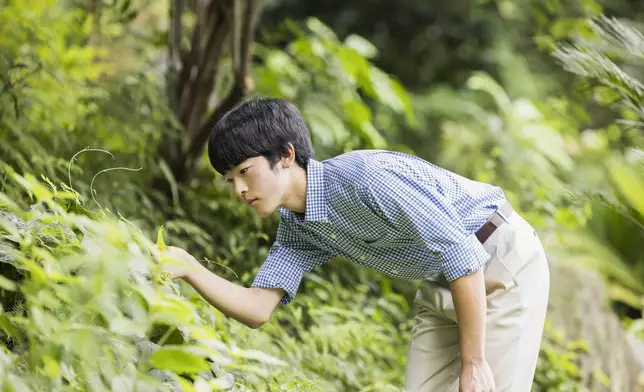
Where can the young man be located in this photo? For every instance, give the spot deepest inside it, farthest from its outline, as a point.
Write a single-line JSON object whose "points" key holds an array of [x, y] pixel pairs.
{"points": [[484, 275]]}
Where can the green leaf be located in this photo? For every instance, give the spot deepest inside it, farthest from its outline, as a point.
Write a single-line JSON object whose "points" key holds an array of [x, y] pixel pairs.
{"points": [[606, 96], [563, 27], [178, 359], [320, 29], [326, 126], [622, 294], [356, 66], [170, 310], [602, 377], [258, 356], [402, 94], [383, 87], [17, 384], [7, 284], [185, 385], [51, 367], [484, 82], [7, 203], [125, 6], [167, 173], [7, 327], [361, 45], [30, 184], [160, 242], [630, 185], [357, 111]]}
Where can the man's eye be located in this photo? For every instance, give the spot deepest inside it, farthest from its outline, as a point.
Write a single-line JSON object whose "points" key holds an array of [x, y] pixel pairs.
{"points": [[243, 171], [229, 181]]}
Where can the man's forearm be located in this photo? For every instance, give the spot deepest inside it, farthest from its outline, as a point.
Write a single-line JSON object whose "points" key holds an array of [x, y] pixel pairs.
{"points": [[249, 306], [468, 293]]}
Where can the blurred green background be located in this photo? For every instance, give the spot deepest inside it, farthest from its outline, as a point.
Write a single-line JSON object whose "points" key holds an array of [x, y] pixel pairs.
{"points": [[105, 109]]}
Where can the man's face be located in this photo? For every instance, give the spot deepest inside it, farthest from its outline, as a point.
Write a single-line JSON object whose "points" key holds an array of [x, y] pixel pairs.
{"points": [[257, 184]]}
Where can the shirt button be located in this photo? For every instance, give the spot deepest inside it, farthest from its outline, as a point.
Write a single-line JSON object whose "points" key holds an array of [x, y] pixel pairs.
{"points": [[362, 257], [333, 235], [395, 272]]}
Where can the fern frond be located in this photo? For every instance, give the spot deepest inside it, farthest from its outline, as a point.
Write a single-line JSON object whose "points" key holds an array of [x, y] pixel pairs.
{"points": [[596, 60], [618, 36], [589, 62]]}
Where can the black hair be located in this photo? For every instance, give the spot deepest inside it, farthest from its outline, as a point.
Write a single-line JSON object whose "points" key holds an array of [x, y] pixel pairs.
{"points": [[259, 127]]}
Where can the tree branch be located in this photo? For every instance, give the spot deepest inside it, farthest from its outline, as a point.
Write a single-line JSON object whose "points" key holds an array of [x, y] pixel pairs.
{"points": [[199, 141], [205, 68], [208, 18], [242, 47], [204, 79], [8, 85], [174, 47], [248, 37], [200, 66], [236, 33]]}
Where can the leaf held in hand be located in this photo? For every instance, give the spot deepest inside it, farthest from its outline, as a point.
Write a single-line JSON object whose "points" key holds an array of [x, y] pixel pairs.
{"points": [[160, 242]]}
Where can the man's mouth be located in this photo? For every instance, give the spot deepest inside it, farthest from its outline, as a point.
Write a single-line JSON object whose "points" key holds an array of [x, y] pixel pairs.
{"points": [[251, 202]]}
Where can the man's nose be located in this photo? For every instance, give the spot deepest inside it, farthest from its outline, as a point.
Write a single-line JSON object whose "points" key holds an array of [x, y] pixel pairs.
{"points": [[240, 188]]}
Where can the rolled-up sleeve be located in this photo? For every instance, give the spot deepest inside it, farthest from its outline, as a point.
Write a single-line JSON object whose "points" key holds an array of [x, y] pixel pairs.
{"points": [[417, 207], [288, 260]]}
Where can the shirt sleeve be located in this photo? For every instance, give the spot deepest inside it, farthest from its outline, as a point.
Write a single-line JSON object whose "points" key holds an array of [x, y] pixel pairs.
{"points": [[417, 207], [289, 258]]}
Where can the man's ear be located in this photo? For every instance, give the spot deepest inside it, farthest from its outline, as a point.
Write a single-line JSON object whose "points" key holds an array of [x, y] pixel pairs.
{"points": [[288, 158]]}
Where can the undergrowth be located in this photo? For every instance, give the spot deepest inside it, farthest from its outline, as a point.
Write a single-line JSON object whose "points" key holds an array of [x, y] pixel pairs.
{"points": [[92, 311]]}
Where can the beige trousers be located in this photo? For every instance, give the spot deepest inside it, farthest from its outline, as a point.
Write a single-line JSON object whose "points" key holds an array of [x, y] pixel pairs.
{"points": [[517, 283]]}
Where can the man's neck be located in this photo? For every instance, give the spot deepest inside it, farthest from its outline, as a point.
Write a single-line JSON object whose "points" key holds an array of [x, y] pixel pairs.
{"points": [[295, 195]]}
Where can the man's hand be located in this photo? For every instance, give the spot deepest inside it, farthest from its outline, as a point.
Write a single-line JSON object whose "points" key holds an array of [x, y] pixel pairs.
{"points": [[180, 263], [251, 306], [468, 293], [476, 376]]}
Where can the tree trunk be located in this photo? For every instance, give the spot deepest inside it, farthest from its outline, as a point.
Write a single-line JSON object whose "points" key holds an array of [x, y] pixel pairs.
{"points": [[223, 27], [579, 307]]}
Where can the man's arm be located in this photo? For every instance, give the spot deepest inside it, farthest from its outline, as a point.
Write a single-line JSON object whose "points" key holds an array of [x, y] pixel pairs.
{"points": [[415, 205], [468, 293], [251, 306]]}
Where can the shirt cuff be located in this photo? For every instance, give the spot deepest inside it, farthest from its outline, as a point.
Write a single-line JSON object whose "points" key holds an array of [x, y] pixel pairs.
{"points": [[271, 275], [464, 258]]}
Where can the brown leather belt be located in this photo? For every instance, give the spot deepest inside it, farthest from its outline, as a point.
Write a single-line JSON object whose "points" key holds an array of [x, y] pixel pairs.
{"points": [[497, 219]]}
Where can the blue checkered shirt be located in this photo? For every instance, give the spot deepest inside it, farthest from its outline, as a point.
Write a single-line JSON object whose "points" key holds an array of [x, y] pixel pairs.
{"points": [[389, 211]]}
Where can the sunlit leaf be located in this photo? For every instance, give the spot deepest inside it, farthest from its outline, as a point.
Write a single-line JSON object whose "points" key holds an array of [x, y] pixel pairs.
{"points": [[185, 384], [8, 204], [170, 310], [51, 367], [357, 67], [630, 185], [621, 294], [385, 90], [361, 45], [17, 383], [8, 327], [319, 28], [7, 284], [404, 98], [178, 359], [258, 356], [160, 241]]}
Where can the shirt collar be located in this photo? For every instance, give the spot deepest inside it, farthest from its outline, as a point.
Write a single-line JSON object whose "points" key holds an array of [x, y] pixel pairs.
{"points": [[315, 192], [316, 208]]}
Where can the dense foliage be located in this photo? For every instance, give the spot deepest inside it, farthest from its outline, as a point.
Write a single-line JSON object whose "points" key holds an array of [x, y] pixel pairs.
{"points": [[84, 115]]}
